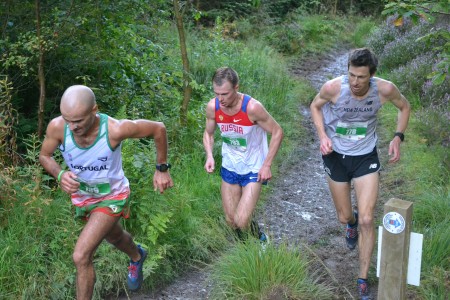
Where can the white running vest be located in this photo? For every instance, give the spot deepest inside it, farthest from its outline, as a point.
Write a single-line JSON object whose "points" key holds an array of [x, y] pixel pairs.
{"points": [[244, 144], [98, 167], [351, 123]]}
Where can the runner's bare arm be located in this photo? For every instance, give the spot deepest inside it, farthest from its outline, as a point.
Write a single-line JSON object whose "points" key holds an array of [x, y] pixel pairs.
{"points": [[53, 138], [120, 130], [327, 93], [208, 136], [258, 114], [389, 92]]}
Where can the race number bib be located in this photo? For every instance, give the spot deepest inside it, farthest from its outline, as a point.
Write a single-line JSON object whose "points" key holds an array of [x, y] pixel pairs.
{"points": [[352, 131], [239, 144], [95, 188]]}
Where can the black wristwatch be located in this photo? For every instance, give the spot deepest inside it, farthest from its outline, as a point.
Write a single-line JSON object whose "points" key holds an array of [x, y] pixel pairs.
{"points": [[163, 167], [400, 135]]}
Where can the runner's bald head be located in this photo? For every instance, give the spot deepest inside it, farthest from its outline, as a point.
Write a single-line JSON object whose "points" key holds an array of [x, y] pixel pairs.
{"points": [[77, 98]]}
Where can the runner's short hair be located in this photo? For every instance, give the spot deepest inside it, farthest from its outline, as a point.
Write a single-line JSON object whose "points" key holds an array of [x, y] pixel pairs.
{"points": [[363, 57], [225, 74]]}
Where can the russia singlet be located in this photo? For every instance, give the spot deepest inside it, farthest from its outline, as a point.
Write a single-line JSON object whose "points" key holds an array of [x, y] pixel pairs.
{"points": [[244, 144], [351, 123], [98, 167]]}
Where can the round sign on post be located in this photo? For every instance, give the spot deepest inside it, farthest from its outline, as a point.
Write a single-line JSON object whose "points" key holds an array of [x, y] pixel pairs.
{"points": [[394, 222]]}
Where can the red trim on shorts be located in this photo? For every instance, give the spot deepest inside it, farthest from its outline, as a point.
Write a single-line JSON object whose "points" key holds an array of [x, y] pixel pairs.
{"points": [[107, 211]]}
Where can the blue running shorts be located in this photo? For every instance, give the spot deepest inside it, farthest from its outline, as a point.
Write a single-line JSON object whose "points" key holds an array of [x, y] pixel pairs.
{"points": [[234, 178]]}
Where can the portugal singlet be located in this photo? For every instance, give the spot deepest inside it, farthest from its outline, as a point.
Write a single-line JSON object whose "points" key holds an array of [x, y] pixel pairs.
{"points": [[98, 167], [351, 123], [244, 146]]}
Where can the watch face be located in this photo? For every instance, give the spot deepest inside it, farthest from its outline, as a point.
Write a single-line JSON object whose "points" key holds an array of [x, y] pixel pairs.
{"points": [[163, 167]]}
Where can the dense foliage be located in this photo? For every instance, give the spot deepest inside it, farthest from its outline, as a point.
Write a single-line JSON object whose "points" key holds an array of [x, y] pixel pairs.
{"points": [[421, 72], [411, 65]]}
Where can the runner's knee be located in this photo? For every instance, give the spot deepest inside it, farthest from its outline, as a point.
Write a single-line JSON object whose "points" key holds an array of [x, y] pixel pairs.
{"points": [[81, 258], [366, 220]]}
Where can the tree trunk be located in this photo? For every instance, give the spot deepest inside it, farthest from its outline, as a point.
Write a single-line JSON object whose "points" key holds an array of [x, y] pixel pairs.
{"points": [[187, 89], [41, 74]]}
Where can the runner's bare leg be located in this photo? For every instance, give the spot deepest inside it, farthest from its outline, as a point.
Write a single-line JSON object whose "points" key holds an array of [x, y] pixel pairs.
{"points": [[340, 192], [366, 189], [231, 194], [93, 233], [239, 203], [123, 241]]}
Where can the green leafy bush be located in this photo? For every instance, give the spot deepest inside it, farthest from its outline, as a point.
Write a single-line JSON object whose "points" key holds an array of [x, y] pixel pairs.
{"points": [[300, 34], [381, 36], [435, 124], [436, 95], [404, 48], [411, 77]]}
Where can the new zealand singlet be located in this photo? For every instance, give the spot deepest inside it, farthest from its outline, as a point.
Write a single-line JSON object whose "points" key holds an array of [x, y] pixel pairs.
{"points": [[351, 123], [244, 146], [98, 167]]}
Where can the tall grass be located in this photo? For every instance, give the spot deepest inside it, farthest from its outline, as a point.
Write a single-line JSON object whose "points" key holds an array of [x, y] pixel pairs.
{"points": [[362, 30], [36, 244], [249, 272]]}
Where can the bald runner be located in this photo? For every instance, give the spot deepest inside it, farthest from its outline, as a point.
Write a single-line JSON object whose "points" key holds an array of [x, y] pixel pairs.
{"points": [[90, 143]]}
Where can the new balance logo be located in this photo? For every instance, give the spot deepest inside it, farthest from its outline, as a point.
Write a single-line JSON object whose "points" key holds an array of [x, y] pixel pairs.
{"points": [[373, 166]]}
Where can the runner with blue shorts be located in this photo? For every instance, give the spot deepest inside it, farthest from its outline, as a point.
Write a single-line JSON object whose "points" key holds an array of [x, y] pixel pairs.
{"points": [[246, 155]]}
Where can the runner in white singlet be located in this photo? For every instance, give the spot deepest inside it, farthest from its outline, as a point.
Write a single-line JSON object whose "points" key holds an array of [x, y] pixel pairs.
{"points": [[246, 157], [90, 143], [345, 115]]}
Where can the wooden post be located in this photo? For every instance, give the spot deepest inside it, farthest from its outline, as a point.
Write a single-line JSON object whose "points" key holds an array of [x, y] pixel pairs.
{"points": [[395, 250]]}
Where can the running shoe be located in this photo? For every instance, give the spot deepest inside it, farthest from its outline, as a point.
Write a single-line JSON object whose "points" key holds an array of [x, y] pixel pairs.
{"points": [[363, 288], [256, 231], [135, 275], [264, 240], [351, 233], [263, 237]]}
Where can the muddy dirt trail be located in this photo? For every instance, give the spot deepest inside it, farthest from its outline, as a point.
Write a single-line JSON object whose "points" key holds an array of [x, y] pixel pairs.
{"points": [[298, 208]]}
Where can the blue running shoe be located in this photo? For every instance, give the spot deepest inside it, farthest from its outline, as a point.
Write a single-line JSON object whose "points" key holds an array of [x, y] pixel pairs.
{"points": [[363, 288], [263, 237], [256, 231], [351, 233], [135, 276], [264, 241]]}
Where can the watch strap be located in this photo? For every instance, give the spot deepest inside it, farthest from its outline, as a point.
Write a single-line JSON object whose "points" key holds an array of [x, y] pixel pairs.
{"points": [[400, 135], [163, 167]]}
